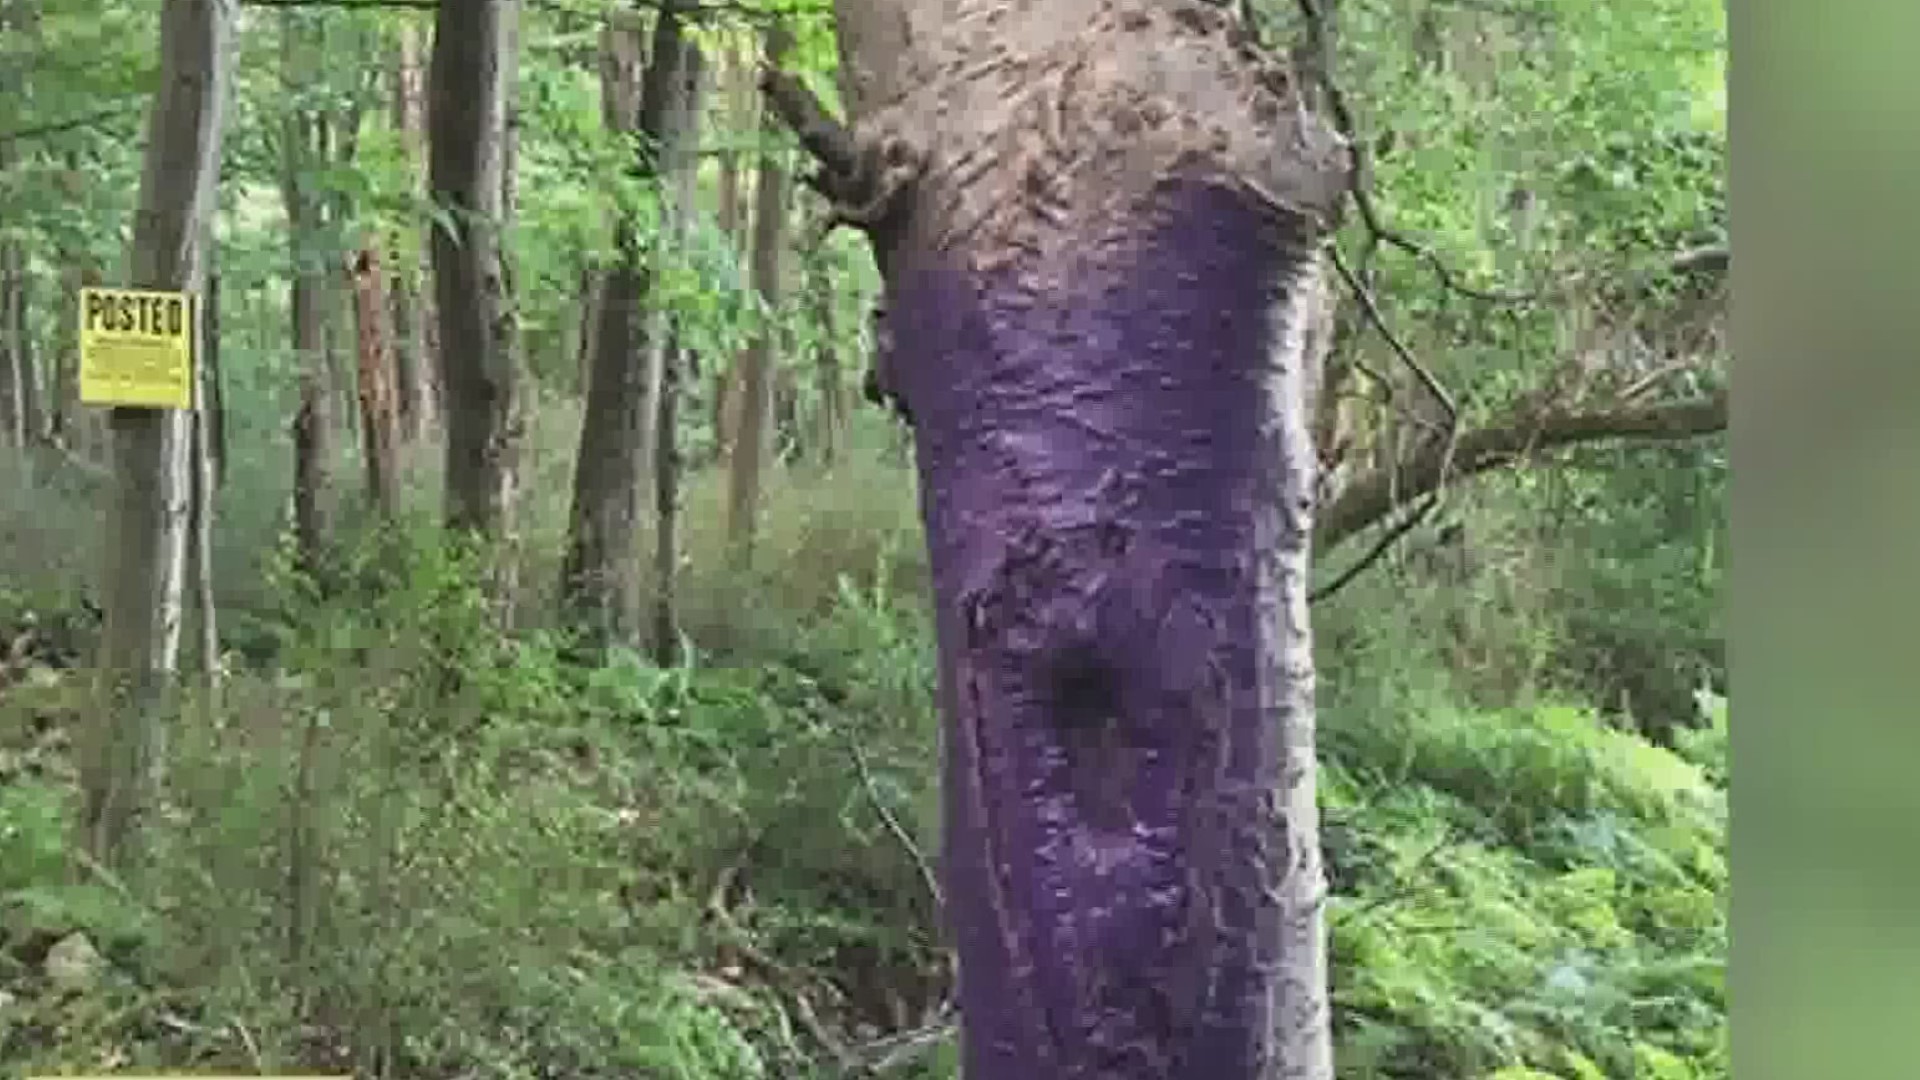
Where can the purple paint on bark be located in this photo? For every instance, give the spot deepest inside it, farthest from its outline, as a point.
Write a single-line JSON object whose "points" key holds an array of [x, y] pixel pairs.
{"points": [[1102, 466]]}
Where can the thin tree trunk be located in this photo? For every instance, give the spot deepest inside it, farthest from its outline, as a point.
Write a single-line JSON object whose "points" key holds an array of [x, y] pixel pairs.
{"points": [[735, 81], [683, 167], [313, 427], [216, 388], [206, 464], [412, 304], [64, 391], [147, 517], [467, 132], [833, 405], [379, 416], [13, 431], [13, 376], [1095, 307], [756, 363], [330, 133], [26, 358], [600, 575]]}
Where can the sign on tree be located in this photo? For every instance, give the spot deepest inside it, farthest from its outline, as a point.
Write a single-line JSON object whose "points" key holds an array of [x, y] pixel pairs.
{"points": [[136, 348]]}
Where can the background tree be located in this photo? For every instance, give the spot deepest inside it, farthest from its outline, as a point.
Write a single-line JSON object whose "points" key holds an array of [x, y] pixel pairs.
{"points": [[467, 138], [617, 434], [140, 642]]}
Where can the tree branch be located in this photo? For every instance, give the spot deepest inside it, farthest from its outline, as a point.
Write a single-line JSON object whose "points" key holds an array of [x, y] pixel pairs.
{"points": [[93, 119], [1376, 495]]}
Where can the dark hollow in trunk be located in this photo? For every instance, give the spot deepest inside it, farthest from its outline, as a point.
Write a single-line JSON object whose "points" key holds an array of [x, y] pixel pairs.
{"points": [[1111, 481]]}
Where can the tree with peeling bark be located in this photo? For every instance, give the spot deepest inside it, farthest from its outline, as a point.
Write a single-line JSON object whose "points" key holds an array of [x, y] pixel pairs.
{"points": [[1099, 226], [142, 597], [467, 130]]}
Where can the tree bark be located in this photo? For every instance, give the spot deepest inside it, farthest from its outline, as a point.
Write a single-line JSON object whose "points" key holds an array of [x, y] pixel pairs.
{"points": [[683, 166], [207, 461], [412, 305], [620, 72], [140, 643], [467, 131], [601, 571], [313, 427], [737, 93], [754, 417], [379, 415], [833, 404], [1098, 223], [16, 372]]}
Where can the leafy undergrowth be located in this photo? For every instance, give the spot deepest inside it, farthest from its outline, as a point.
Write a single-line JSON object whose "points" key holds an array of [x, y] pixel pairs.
{"points": [[421, 849]]}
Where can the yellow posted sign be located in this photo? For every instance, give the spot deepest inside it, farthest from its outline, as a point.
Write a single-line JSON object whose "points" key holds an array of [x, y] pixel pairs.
{"points": [[137, 348]]}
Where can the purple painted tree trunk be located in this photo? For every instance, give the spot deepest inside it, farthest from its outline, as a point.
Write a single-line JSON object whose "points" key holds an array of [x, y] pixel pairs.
{"points": [[1099, 227]]}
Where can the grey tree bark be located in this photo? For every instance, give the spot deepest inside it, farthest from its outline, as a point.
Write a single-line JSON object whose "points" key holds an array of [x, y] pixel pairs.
{"points": [[755, 414], [205, 462], [1099, 225], [140, 643], [683, 167], [734, 219], [416, 365], [832, 416], [601, 572], [620, 71], [467, 94], [313, 428]]}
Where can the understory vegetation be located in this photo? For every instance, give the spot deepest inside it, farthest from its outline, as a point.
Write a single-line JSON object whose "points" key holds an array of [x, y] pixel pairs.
{"points": [[405, 843]]}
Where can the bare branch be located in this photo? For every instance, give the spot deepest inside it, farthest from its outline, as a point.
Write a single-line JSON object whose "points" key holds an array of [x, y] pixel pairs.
{"points": [[1360, 174], [92, 119], [1380, 547], [1375, 495]]}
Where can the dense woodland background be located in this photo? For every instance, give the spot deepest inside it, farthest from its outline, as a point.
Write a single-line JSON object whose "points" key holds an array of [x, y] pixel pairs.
{"points": [[516, 813]]}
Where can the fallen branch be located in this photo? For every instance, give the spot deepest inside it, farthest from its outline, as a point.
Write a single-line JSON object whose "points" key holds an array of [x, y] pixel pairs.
{"points": [[1376, 495]]}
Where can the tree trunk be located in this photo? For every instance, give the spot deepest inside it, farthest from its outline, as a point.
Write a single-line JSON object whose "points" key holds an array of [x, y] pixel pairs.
{"points": [[21, 419], [207, 460], [684, 167], [379, 416], [736, 86], [600, 575], [1106, 227], [620, 69], [63, 393], [313, 428], [467, 132], [139, 647], [756, 363], [833, 405], [412, 306]]}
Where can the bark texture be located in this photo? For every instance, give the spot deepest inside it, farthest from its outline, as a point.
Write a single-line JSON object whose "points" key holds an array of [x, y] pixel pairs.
{"points": [[379, 412], [683, 166], [1099, 267], [467, 93], [140, 643], [755, 410], [313, 427], [601, 571], [416, 367]]}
